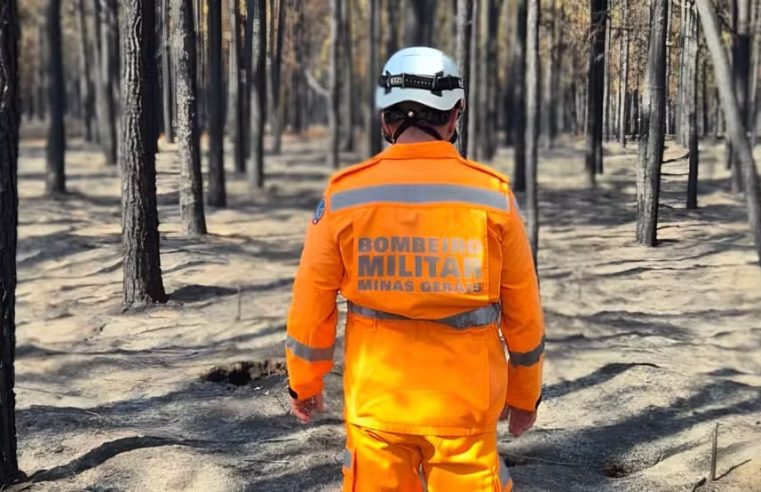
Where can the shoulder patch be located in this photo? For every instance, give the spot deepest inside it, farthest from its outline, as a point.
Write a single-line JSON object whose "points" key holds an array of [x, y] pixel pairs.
{"points": [[319, 211]]}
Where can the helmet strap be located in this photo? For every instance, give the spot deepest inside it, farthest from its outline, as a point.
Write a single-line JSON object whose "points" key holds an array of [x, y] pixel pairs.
{"points": [[412, 120]]}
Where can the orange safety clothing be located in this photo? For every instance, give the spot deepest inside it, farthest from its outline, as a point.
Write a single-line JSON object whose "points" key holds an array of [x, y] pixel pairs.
{"points": [[377, 461], [430, 251]]}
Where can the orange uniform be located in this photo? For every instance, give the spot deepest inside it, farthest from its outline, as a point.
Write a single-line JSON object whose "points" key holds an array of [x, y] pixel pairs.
{"points": [[429, 250]]}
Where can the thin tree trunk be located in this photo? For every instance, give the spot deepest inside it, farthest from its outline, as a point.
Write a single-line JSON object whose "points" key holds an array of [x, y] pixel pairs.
{"points": [[653, 125], [85, 82], [166, 74], [532, 121], [741, 70], [606, 79], [518, 69], [463, 51], [551, 80], [276, 76], [595, 89], [191, 181], [105, 106], [690, 98], [257, 13], [335, 84], [216, 109], [236, 105], [10, 117], [55, 178], [347, 92], [391, 28], [419, 22], [706, 112], [142, 264], [735, 125], [623, 76], [42, 71], [373, 70]]}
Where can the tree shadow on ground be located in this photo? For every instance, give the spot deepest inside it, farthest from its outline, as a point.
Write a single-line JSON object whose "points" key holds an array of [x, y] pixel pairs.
{"points": [[638, 442]]}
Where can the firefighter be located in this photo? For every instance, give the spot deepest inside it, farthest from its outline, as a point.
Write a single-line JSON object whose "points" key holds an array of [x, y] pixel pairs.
{"points": [[429, 250]]}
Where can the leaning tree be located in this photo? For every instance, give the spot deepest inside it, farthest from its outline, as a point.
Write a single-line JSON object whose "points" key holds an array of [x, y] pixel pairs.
{"points": [[140, 221]]}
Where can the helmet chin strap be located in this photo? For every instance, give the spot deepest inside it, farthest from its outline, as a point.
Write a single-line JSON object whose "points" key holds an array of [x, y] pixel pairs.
{"points": [[412, 120]]}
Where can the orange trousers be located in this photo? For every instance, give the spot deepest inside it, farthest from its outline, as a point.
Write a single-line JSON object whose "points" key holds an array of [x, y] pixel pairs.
{"points": [[386, 461]]}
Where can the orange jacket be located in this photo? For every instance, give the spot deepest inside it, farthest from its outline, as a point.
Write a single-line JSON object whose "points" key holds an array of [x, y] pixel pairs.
{"points": [[430, 252]]}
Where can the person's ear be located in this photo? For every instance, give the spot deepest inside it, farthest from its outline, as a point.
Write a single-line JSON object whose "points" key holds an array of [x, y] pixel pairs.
{"points": [[454, 118]]}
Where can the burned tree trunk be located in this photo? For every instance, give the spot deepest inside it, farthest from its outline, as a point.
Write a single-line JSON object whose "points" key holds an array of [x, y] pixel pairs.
{"points": [[257, 13], [105, 106], [276, 75], [140, 224], [373, 118], [10, 116], [166, 73], [595, 89], [391, 29], [335, 84], [518, 106], [236, 104], [85, 82], [689, 99], [551, 78], [623, 75], [216, 106], [55, 178], [653, 128], [735, 125], [464, 27], [184, 56], [347, 92], [532, 121], [419, 22], [741, 54]]}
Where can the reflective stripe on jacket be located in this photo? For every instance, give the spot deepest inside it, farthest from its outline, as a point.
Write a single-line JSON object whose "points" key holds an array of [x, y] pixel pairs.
{"points": [[430, 251]]}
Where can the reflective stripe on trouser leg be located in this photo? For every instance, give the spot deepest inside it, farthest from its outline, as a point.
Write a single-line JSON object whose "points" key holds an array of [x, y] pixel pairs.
{"points": [[504, 475]]}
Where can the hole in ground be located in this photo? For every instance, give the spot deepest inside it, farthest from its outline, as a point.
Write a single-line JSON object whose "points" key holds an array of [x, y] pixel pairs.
{"points": [[244, 372]]}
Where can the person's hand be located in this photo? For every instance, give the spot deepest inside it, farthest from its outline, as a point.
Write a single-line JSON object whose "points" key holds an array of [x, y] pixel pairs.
{"points": [[304, 409], [520, 420]]}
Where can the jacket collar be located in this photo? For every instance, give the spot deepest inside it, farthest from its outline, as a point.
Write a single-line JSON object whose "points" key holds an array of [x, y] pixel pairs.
{"points": [[435, 149]]}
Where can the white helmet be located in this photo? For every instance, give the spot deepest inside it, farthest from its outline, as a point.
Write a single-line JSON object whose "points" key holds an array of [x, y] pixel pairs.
{"points": [[423, 75]]}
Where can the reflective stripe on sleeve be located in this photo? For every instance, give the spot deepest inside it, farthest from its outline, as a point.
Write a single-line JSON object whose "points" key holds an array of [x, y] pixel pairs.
{"points": [[504, 474], [347, 459], [478, 317], [308, 353], [527, 358], [419, 194]]}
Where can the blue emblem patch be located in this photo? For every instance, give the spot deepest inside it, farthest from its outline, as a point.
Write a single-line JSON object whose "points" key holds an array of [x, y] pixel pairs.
{"points": [[319, 212]]}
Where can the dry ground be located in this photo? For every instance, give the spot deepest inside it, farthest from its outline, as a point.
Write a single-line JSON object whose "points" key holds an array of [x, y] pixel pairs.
{"points": [[647, 348]]}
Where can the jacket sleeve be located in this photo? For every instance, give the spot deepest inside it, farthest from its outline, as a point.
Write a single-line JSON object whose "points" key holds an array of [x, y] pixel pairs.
{"points": [[522, 320], [313, 315]]}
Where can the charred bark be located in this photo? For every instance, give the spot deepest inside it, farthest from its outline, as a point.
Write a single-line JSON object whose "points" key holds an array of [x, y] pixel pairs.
{"points": [[216, 105], [166, 73], [464, 27], [55, 178], [140, 224], [335, 84], [191, 181], [257, 13], [105, 106], [85, 82], [10, 116], [595, 89], [373, 118], [518, 106], [653, 130], [276, 76]]}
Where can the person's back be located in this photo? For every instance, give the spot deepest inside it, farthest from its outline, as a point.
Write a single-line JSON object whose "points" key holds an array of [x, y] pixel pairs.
{"points": [[429, 250]]}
